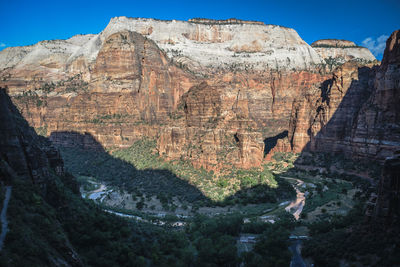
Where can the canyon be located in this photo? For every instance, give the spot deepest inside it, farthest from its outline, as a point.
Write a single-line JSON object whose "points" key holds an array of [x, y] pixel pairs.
{"points": [[153, 119], [355, 112], [209, 91]]}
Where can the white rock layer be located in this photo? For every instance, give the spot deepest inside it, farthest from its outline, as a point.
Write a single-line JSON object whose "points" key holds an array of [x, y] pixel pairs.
{"points": [[197, 46]]}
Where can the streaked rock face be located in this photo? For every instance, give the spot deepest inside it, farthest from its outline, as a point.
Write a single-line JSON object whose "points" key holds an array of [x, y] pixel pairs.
{"points": [[133, 88], [28, 68], [209, 91], [377, 132], [334, 52], [356, 112], [388, 201], [223, 46], [210, 134], [24, 155], [333, 43]]}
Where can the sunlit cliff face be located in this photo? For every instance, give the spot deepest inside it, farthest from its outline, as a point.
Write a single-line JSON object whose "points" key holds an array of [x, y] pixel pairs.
{"points": [[142, 77]]}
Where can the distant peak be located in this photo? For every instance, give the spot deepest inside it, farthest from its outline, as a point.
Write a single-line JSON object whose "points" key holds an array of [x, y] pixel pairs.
{"points": [[194, 20], [333, 43], [392, 50], [225, 21]]}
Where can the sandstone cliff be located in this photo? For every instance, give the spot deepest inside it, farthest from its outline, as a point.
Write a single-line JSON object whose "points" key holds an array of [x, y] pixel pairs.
{"points": [[210, 133], [335, 52], [199, 47], [134, 78], [33, 167], [353, 112], [388, 202], [23, 154], [210, 46]]}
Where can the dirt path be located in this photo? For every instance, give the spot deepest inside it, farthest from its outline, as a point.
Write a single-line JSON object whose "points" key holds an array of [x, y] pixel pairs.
{"points": [[3, 217], [100, 193], [97, 193], [296, 206]]}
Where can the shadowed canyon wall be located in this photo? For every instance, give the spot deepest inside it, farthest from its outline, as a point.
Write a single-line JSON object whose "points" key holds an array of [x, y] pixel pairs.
{"points": [[210, 92], [355, 112]]}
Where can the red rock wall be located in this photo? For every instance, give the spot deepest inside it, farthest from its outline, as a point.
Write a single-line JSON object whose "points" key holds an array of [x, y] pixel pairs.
{"points": [[356, 112], [133, 90]]}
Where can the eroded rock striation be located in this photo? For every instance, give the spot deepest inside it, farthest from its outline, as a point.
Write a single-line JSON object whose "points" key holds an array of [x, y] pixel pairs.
{"points": [[388, 201], [354, 112], [210, 133], [29, 159], [335, 52], [209, 91], [23, 154]]}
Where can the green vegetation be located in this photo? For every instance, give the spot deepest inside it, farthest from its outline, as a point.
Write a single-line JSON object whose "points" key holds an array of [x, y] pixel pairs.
{"points": [[48, 87], [344, 167], [139, 170], [42, 131], [32, 96], [102, 239], [333, 62], [282, 162], [320, 197], [272, 244], [42, 233], [259, 187], [111, 118], [336, 46], [73, 84], [351, 239]]}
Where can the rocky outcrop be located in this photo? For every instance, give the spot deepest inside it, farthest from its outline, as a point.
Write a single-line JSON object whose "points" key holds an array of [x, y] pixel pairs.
{"points": [[33, 166], [130, 80], [336, 52], [377, 130], [333, 43], [200, 46], [213, 47], [324, 118], [22, 153], [31, 67], [134, 88], [356, 111], [254, 106], [388, 200], [225, 21], [210, 134]]}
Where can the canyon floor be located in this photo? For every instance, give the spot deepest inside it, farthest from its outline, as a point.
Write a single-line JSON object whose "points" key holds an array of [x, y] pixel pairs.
{"points": [[312, 197], [199, 143]]}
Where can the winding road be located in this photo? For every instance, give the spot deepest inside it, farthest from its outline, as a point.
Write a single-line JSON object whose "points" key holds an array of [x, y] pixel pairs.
{"points": [[3, 216], [296, 206], [95, 194], [100, 193], [297, 260]]}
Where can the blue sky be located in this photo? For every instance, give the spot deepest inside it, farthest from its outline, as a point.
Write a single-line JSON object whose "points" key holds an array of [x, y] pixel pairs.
{"points": [[366, 22]]}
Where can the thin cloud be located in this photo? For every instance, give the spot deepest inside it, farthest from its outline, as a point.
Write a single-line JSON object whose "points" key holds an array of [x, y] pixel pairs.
{"points": [[2, 45], [376, 46]]}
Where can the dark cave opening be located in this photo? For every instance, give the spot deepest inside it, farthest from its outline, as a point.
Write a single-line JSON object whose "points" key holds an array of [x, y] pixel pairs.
{"points": [[270, 142], [236, 137]]}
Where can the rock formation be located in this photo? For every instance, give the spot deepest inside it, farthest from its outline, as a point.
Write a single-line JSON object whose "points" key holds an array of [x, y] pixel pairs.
{"points": [[355, 112], [136, 77], [28, 159], [210, 134], [335, 52], [22, 153], [225, 21], [388, 201]]}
